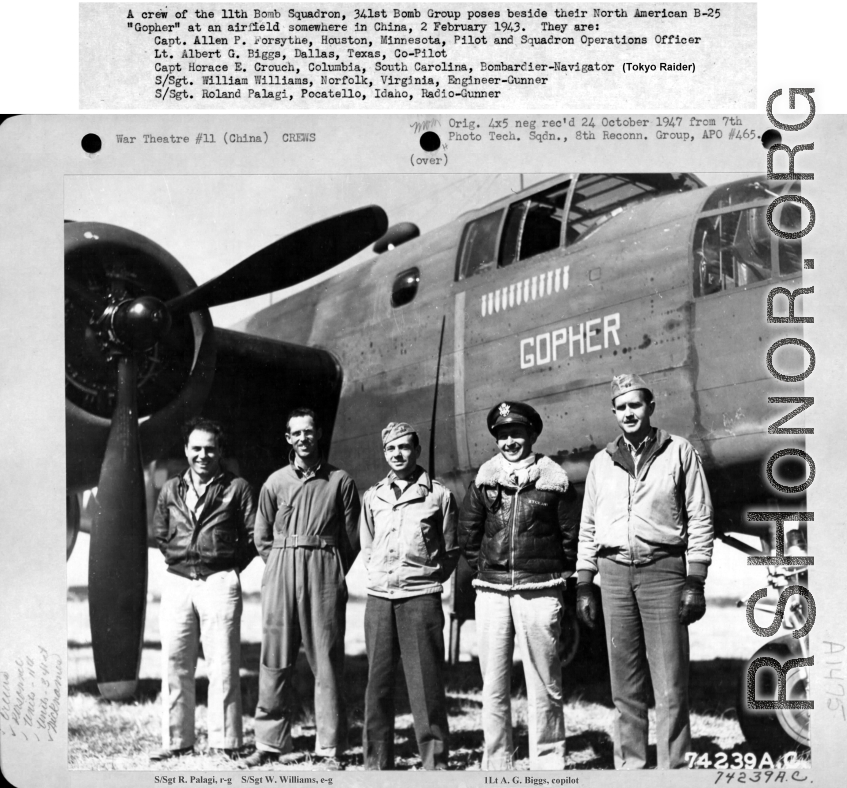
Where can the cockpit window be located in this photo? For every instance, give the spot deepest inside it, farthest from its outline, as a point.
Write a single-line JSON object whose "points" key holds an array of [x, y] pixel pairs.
{"points": [[736, 248], [731, 251], [534, 225], [479, 245], [788, 216], [752, 190], [539, 223], [598, 198]]}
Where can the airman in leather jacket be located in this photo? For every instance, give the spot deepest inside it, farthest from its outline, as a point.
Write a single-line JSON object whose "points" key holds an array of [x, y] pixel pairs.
{"points": [[520, 536], [218, 538]]}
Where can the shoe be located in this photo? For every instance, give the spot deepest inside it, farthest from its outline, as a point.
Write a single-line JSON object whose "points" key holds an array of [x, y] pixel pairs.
{"points": [[322, 763], [166, 755], [228, 753], [291, 758], [258, 758]]}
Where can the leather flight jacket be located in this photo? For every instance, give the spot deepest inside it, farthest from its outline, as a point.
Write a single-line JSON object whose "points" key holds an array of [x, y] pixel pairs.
{"points": [[520, 537], [219, 537]]}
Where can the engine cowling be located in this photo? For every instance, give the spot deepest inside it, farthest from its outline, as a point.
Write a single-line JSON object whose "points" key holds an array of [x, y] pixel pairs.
{"points": [[175, 375]]}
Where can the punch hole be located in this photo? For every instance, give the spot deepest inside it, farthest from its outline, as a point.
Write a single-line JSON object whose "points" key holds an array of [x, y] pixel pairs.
{"points": [[91, 143], [770, 138], [430, 141]]}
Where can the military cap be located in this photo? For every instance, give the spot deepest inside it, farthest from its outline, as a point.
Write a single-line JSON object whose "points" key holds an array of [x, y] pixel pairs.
{"points": [[514, 413], [397, 430], [623, 384]]}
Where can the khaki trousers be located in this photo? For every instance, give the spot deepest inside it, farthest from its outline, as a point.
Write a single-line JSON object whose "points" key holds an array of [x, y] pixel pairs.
{"points": [[534, 618], [191, 611]]}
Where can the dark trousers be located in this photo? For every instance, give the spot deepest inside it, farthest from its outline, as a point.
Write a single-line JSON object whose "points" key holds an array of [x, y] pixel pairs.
{"points": [[641, 608], [411, 629]]}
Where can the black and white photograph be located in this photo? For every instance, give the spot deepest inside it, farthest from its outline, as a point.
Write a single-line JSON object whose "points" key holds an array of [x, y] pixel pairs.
{"points": [[496, 324], [373, 408]]}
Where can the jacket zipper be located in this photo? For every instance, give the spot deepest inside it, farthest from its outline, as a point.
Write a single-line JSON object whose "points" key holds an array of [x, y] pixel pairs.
{"points": [[192, 551], [630, 482], [512, 532]]}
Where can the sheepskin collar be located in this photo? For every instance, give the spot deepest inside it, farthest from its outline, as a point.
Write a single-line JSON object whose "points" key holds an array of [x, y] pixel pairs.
{"points": [[506, 587], [545, 474]]}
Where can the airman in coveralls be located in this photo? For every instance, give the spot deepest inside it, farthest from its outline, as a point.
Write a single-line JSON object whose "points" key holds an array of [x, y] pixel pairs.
{"points": [[307, 533]]}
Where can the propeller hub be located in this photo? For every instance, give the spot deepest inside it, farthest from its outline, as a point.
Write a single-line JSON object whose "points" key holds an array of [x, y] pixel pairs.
{"points": [[138, 324]]}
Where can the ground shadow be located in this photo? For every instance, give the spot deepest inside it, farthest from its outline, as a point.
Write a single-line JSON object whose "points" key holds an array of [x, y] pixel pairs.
{"points": [[713, 692], [597, 741], [713, 685]]}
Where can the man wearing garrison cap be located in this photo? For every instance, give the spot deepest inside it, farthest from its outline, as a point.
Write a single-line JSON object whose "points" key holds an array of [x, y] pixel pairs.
{"points": [[518, 530], [647, 528], [408, 535]]}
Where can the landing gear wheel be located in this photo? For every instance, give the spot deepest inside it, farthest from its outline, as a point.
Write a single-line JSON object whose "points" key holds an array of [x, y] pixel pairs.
{"points": [[776, 730]]}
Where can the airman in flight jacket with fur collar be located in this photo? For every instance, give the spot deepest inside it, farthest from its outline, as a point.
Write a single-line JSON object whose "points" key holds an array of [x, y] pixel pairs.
{"points": [[520, 537]]}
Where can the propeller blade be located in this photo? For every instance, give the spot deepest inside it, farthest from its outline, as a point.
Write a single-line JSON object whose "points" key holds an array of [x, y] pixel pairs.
{"points": [[117, 563], [290, 260]]}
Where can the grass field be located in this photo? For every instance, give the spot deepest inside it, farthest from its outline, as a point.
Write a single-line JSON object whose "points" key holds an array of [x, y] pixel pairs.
{"points": [[102, 735]]}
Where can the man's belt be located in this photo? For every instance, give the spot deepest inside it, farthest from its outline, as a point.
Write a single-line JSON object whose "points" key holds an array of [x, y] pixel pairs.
{"points": [[304, 540], [198, 572]]}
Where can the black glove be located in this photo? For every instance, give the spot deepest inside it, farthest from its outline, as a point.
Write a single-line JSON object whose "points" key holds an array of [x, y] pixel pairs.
{"points": [[692, 605], [586, 604]]}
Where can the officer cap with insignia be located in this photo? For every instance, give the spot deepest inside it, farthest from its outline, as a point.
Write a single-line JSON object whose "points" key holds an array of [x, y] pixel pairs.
{"points": [[514, 413], [623, 384]]}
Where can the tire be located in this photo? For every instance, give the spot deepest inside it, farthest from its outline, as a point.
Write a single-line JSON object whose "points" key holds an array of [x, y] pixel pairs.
{"points": [[776, 730]]}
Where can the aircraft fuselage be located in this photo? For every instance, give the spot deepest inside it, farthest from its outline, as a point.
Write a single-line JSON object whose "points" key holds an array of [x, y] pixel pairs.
{"points": [[637, 292]]}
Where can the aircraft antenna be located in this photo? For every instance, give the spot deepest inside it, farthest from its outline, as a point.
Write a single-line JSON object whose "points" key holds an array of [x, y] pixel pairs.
{"points": [[435, 402]]}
